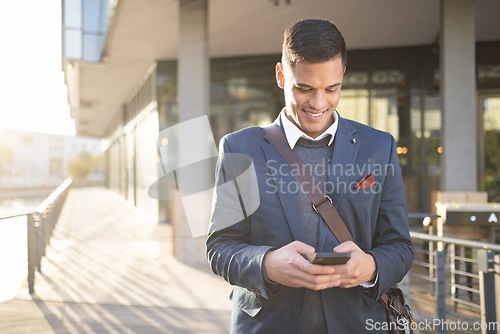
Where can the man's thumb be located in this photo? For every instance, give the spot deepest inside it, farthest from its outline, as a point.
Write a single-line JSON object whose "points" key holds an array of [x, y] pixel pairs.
{"points": [[345, 247], [303, 248]]}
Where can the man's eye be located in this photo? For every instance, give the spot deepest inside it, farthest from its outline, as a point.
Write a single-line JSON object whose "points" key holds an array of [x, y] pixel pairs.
{"points": [[331, 90], [303, 90]]}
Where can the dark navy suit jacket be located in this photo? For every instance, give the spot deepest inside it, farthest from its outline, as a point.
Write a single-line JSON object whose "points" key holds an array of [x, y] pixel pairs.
{"points": [[376, 218]]}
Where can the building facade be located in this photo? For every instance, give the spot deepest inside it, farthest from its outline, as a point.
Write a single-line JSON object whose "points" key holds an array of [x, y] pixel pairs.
{"points": [[428, 72], [33, 160]]}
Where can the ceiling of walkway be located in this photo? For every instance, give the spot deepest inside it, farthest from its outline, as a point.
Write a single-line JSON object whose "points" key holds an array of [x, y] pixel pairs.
{"points": [[146, 30]]}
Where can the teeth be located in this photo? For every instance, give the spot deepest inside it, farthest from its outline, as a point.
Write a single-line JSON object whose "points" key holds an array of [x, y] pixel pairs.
{"points": [[314, 115]]}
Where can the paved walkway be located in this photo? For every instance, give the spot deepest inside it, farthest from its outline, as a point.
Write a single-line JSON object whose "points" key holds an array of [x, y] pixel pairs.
{"points": [[109, 269]]}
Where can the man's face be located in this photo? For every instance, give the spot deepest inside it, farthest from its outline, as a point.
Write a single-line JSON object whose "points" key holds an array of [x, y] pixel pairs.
{"points": [[312, 93]]}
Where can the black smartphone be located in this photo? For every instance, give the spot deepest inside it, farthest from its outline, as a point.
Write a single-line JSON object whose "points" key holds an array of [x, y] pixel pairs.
{"points": [[330, 258]]}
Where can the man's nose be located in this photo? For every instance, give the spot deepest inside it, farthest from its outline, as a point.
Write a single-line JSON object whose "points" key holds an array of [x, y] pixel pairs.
{"points": [[318, 100]]}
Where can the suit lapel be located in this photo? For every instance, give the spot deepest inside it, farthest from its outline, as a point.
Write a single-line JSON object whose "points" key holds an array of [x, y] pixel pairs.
{"points": [[345, 151], [283, 177]]}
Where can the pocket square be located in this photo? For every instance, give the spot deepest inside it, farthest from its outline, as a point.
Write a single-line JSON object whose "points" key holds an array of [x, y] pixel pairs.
{"points": [[366, 182]]}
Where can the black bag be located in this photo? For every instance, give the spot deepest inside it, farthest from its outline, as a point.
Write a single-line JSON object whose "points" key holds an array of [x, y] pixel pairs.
{"points": [[399, 317]]}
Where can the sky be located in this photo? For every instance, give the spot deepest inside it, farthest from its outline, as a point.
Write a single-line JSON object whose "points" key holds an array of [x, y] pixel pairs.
{"points": [[32, 90]]}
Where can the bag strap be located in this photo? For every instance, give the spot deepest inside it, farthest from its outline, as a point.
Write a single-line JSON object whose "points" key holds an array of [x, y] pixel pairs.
{"points": [[322, 203]]}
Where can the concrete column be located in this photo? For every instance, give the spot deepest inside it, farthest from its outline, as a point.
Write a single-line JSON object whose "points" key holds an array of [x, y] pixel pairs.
{"points": [[193, 61], [458, 94], [193, 146]]}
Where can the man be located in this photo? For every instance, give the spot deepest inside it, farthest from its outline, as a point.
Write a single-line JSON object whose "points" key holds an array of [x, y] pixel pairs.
{"points": [[266, 253]]}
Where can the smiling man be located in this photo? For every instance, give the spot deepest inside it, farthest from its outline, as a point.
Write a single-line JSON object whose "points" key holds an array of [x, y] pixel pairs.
{"points": [[312, 92], [266, 254]]}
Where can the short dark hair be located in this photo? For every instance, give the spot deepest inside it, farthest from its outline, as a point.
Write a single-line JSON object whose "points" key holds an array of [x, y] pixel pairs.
{"points": [[313, 41]]}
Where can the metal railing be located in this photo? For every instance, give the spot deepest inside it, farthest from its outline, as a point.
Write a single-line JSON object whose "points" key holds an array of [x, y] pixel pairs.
{"points": [[456, 280], [40, 225]]}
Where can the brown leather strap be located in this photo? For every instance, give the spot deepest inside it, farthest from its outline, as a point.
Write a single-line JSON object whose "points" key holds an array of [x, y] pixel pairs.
{"points": [[321, 203], [385, 299]]}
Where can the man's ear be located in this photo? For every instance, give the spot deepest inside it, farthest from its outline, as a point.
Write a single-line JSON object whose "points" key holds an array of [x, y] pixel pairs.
{"points": [[280, 75], [345, 68]]}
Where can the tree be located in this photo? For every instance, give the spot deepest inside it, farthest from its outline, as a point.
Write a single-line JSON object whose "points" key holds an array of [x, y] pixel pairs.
{"points": [[81, 166]]}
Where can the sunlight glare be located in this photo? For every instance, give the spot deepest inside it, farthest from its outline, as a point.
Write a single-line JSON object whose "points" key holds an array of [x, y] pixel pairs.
{"points": [[31, 80]]}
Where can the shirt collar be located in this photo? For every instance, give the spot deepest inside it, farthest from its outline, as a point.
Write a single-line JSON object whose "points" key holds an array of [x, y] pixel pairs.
{"points": [[293, 133]]}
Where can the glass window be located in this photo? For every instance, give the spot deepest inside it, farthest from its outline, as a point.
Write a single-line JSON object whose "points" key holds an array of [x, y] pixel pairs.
{"points": [[107, 7], [384, 111], [130, 166], [73, 44], [244, 93], [147, 163], [423, 170], [166, 86], [73, 13], [355, 79], [387, 77], [354, 104], [490, 176], [488, 72], [92, 47], [85, 25], [92, 15]]}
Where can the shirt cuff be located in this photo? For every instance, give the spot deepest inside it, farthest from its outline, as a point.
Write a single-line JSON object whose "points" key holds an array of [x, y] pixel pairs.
{"points": [[367, 285], [272, 287]]}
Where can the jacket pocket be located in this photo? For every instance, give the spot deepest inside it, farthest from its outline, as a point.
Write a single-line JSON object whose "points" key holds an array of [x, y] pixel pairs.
{"points": [[365, 192], [246, 300]]}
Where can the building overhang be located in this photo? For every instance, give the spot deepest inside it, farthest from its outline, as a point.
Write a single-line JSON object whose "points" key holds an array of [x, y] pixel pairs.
{"points": [[145, 31]]}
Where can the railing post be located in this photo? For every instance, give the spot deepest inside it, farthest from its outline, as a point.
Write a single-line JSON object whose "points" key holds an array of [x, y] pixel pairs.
{"points": [[31, 253], [56, 211], [432, 271], [453, 278], [441, 293], [487, 288], [46, 227], [40, 239], [497, 284]]}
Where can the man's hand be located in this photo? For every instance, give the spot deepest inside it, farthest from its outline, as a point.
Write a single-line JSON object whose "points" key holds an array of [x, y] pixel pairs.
{"points": [[288, 267], [359, 269]]}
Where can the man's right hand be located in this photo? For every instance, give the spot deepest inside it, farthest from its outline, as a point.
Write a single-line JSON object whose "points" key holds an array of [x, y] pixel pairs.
{"points": [[287, 266]]}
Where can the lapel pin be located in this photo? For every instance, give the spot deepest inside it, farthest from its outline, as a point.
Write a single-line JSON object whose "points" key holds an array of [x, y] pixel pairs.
{"points": [[353, 141]]}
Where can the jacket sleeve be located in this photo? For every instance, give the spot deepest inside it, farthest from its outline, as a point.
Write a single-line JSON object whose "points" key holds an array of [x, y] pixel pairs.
{"points": [[229, 251], [392, 245]]}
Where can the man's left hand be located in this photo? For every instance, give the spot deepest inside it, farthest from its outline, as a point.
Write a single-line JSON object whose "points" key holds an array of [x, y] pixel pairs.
{"points": [[360, 268]]}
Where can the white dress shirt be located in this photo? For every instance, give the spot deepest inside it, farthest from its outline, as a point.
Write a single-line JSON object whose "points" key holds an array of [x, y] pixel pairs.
{"points": [[293, 133]]}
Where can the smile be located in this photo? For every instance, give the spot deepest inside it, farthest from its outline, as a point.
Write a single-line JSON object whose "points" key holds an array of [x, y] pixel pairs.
{"points": [[314, 115]]}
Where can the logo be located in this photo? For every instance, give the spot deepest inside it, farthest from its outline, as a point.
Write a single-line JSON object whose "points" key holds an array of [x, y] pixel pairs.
{"points": [[186, 161]]}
